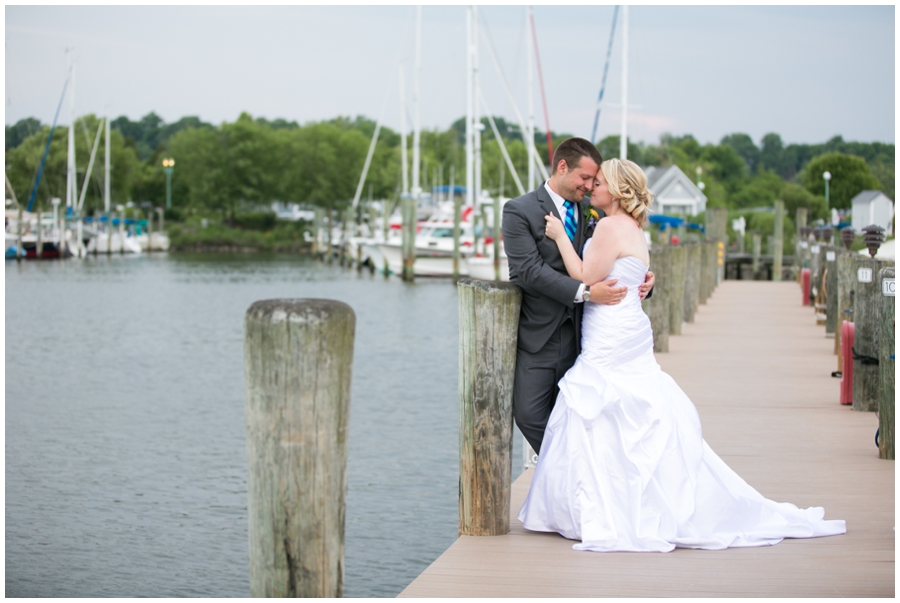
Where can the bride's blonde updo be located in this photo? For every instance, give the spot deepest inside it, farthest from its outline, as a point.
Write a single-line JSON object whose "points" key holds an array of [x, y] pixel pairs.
{"points": [[627, 184]]}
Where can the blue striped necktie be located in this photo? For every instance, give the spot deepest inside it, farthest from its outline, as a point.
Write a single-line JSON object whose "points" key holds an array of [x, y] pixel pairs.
{"points": [[571, 224]]}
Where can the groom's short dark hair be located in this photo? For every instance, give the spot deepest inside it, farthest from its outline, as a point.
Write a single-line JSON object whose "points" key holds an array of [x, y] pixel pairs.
{"points": [[571, 150]]}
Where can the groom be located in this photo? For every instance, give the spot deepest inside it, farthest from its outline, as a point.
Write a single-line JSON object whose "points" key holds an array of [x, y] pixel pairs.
{"points": [[550, 318]]}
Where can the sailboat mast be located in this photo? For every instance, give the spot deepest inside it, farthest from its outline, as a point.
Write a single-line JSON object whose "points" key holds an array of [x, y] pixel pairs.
{"points": [[71, 185], [470, 175], [529, 134], [623, 140], [476, 119], [404, 161], [416, 188], [106, 174]]}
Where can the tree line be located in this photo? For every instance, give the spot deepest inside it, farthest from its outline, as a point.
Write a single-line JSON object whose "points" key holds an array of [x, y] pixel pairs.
{"points": [[246, 164]]}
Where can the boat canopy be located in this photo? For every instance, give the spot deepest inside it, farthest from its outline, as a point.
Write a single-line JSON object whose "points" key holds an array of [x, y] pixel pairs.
{"points": [[674, 222], [457, 190]]}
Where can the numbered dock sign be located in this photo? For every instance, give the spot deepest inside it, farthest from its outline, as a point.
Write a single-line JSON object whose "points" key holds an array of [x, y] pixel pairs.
{"points": [[887, 287], [864, 275], [829, 256]]}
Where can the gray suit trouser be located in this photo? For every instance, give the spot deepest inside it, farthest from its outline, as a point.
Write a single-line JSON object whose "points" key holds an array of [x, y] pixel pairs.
{"points": [[537, 382]]}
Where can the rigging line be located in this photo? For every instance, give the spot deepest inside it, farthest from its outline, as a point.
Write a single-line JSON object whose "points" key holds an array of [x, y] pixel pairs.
{"points": [[612, 34], [365, 170], [87, 140], [538, 161], [87, 176], [537, 57], [47, 149], [509, 163]]}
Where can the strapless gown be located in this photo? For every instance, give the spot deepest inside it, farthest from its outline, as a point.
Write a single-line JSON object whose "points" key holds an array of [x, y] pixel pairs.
{"points": [[623, 465]]}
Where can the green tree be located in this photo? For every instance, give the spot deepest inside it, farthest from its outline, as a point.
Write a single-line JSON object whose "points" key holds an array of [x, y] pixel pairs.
{"points": [[23, 162], [795, 196], [745, 147], [884, 172], [760, 191], [849, 176], [21, 130]]}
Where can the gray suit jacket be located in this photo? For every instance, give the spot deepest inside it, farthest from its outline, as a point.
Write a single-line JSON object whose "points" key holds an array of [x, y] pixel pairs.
{"points": [[536, 266]]}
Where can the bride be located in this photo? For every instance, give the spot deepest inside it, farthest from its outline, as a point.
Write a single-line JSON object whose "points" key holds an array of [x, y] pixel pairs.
{"points": [[623, 464]]}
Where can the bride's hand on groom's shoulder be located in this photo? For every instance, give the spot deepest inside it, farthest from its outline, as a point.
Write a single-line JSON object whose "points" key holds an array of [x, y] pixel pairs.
{"points": [[606, 292]]}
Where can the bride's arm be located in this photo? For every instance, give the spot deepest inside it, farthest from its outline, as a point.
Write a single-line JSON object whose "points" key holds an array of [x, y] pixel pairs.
{"points": [[602, 252], [557, 232]]}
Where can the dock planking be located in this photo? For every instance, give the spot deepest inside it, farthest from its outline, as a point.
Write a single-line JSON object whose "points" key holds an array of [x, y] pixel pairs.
{"points": [[759, 371]]}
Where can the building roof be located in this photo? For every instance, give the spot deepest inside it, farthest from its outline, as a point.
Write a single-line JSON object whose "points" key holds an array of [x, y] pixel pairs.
{"points": [[866, 196], [661, 179]]}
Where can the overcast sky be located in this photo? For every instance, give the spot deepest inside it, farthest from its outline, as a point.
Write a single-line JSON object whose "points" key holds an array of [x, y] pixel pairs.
{"points": [[805, 72]]}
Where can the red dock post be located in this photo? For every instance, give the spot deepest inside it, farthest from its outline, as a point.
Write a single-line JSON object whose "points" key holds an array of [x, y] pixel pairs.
{"points": [[804, 285], [847, 368]]}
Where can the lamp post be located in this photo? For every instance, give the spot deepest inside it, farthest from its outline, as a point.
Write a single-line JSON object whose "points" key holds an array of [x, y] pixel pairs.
{"points": [[827, 177], [168, 168]]}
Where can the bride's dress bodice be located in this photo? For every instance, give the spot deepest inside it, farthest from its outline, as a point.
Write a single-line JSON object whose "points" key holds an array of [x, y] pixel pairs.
{"points": [[614, 336]]}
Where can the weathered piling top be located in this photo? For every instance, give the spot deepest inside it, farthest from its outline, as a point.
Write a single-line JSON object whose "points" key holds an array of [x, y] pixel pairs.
{"points": [[759, 371]]}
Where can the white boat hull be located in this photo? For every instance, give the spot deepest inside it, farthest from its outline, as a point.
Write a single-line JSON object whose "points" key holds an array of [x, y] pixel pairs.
{"points": [[437, 265], [156, 241], [103, 243], [483, 269]]}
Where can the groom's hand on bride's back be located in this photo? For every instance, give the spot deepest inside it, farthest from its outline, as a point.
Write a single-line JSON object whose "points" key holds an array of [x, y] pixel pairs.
{"points": [[606, 292]]}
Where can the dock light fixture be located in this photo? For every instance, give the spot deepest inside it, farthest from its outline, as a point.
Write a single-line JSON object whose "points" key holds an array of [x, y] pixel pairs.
{"points": [[873, 237], [827, 177], [700, 184], [168, 168], [848, 235]]}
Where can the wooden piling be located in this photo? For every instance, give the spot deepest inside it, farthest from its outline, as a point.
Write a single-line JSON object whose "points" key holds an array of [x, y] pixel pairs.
{"points": [[329, 233], [815, 256], [457, 223], [658, 306], [830, 278], [886, 364], [39, 249], [778, 251], [678, 269], [408, 247], [717, 230], [866, 315], [800, 248], [297, 369], [709, 269], [149, 230], [318, 218], [757, 251], [488, 334], [20, 253], [845, 262], [692, 281]]}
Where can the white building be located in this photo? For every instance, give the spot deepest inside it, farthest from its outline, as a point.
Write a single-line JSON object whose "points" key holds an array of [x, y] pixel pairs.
{"points": [[872, 207], [674, 193]]}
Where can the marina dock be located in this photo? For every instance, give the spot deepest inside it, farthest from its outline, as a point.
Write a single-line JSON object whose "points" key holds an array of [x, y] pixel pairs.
{"points": [[758, 370]]}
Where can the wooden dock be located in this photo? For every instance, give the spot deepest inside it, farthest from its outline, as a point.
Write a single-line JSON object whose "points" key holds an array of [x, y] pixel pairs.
{"points": [[759, 371]]}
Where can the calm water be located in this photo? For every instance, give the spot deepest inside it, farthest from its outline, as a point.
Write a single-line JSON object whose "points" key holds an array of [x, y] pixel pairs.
{"points": [[125, 443]]}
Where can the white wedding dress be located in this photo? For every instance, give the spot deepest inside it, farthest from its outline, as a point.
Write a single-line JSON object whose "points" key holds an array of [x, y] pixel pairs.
{"points": [[623, 465]]}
